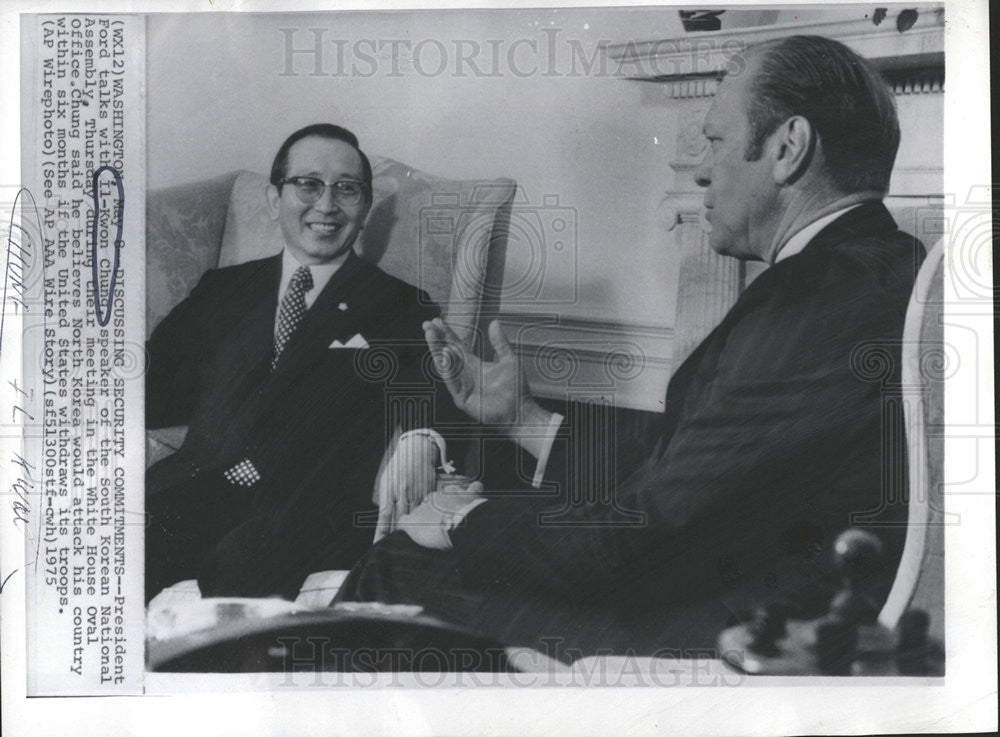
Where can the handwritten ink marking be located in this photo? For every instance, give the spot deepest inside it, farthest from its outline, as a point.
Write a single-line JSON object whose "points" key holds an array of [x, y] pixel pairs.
{"points": [[4, 582], [21, 488], [104, 317], [17, 408], [14, 293], [21, 506], [13, 282]]}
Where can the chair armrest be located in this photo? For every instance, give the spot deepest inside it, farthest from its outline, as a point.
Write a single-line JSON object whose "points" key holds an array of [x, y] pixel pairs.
{"points": [[319, 588]]}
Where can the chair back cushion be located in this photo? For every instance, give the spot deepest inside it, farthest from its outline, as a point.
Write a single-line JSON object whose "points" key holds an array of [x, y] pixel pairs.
{"points": [[184, 227]]}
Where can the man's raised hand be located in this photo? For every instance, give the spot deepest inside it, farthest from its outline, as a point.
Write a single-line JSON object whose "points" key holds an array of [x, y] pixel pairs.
{"points": [[490, 392]]}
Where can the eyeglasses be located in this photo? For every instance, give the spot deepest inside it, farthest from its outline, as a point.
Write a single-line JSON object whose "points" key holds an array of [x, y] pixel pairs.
{"points": [[310, 189]]}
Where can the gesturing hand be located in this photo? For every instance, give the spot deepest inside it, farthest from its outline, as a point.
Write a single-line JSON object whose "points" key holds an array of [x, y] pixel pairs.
{"points": [[490, 392]]}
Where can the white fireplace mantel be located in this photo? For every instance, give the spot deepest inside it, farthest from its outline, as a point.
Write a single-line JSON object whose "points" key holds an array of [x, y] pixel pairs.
{"points": [[703, 56]]}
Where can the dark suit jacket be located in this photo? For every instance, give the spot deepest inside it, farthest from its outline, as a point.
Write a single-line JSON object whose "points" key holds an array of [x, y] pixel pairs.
{"points": [[315, 427], [781, 430]]}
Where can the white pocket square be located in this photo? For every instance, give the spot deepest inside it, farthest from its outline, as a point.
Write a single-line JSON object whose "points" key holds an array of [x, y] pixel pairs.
{"points": [[358, 341]]}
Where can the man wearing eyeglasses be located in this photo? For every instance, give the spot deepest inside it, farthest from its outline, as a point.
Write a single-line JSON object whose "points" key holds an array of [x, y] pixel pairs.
{"points": [[287, 421]]}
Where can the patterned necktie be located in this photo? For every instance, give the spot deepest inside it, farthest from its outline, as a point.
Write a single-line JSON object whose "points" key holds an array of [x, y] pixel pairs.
{"points": [[293, 308]]}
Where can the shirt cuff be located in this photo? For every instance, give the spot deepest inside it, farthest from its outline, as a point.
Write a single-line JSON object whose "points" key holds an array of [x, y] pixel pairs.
{"points": [[543, 458]]}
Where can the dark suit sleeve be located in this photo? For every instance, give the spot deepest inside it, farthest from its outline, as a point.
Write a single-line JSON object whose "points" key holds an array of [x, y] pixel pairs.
{"points": [[780, 394], [591, 444], [176, 352]]}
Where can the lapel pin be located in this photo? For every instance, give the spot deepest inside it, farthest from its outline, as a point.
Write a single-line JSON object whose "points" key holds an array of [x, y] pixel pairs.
{"points": [[342, 307]]}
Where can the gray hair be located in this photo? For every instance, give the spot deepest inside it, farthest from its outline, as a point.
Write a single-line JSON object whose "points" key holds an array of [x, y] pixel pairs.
{"points": [[841, 95]]}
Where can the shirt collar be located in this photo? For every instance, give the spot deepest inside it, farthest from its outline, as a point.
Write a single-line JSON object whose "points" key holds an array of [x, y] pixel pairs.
{"points": [[800, 240], [321, 275]]}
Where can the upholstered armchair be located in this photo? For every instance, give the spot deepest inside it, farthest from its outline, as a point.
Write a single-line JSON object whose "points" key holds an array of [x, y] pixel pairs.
{"points": [[447, 237]]}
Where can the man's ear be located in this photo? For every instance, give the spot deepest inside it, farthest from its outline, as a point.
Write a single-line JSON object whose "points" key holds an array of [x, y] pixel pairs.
{"points": [[273, 200], [794, 143]]}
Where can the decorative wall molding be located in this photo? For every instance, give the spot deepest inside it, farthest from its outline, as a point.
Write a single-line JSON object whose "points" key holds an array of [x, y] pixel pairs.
{"points": [[708, 284], [916, 81], [698, 57], [690, 66], [678, 208], [692, 146], [584, 326], [916, 181], [625, 363], [678, 89], [902, 81]]}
